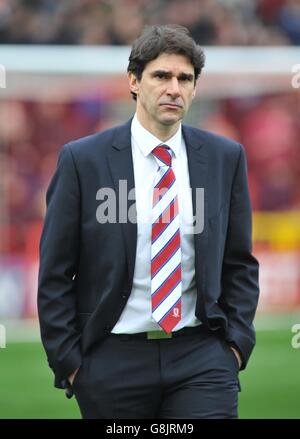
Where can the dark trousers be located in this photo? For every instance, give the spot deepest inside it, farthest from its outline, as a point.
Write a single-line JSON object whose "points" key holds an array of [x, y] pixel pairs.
{"points": [[191, 376]]}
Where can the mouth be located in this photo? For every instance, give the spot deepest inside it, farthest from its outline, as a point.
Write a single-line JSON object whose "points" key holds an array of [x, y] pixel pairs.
{"points": [[172, 106]]}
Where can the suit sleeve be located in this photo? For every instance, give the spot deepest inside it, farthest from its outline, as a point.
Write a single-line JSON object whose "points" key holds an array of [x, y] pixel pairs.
{"points": [[59, 249], [240, 268]]}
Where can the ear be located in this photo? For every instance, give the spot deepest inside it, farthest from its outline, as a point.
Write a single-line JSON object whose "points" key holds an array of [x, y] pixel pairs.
{"points": [[133, 82]]}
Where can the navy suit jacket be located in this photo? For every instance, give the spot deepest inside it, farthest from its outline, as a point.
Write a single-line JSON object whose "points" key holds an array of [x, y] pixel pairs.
{"points": [[86, 268]]}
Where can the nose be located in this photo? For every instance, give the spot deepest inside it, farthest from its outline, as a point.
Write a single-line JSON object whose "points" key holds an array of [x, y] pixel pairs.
{"points": [[173, 88]]}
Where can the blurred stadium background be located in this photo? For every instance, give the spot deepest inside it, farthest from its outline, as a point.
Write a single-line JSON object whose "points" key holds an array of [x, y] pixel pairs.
{"points": [[65, 78]]}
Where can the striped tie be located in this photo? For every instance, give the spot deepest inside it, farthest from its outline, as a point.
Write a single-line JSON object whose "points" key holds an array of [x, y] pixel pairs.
{"points": [[166, 275]]}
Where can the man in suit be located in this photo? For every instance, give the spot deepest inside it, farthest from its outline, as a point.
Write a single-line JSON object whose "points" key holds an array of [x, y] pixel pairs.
{"points": [[142, 315]]}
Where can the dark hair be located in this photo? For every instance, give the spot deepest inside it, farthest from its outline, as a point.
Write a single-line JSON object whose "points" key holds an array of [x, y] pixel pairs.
{"points": [[155, 40]]}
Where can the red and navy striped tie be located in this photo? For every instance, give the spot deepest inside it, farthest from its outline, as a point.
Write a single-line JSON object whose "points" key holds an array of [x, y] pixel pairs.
{"points": [[166, 276]]}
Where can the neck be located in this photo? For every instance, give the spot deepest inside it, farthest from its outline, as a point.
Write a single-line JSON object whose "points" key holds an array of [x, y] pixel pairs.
{"points": [[162, 132]]}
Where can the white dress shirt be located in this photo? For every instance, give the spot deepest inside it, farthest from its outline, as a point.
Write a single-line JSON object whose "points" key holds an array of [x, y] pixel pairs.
{"points": [[137, 314]]}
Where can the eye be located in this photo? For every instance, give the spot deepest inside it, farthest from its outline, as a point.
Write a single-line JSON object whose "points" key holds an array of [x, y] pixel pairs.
{"points": [[160, 75], [185, 79]]}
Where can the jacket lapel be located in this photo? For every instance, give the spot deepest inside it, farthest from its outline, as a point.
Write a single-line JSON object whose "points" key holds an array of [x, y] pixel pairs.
{"points": [[121, 167], [197, 164]]}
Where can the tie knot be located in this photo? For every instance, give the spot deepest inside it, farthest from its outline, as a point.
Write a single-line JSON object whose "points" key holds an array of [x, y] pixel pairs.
{"points": [[163, 154]]}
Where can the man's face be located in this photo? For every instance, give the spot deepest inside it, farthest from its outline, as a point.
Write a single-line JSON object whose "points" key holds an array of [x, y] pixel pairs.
{"points": [[165, 91]]}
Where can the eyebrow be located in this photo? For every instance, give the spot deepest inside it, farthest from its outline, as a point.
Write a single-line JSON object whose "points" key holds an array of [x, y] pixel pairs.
{"points": [[168, 74]]}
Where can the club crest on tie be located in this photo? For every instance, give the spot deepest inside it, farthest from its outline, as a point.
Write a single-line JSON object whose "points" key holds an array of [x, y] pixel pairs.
{"points": [[175, 312]]}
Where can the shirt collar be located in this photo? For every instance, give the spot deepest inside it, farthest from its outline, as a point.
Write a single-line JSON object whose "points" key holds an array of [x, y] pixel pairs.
{"points": [[147, 141]]}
